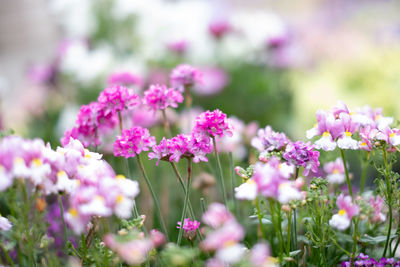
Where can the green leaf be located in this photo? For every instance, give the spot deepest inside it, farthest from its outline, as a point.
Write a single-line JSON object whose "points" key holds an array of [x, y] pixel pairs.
{"points": [[376, 239]]}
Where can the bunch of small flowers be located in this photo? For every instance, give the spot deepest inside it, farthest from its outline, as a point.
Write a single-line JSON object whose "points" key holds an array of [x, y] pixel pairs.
{"points": [[338, 126], [363, 260], [124, 79], [377, 207], [347, 210], [133, 141], [194, 146], [159, 97], [271, 180], [213, 123], [223, 237], [220, 28], [267, 140], [184, 76], [116, 99], [189, 228], [302, 154]]}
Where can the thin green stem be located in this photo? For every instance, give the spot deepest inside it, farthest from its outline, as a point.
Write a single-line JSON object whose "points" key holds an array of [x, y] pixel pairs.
{"points": [[233, 184], [364, 168], [289, 233], [8, 258], [153, 194], [347, 172], [340, 247], [259, 214], [295, 243], [221, 176], [62, 219], [167, 128], [395, 247], [276, 228], [203, 205], [389, 197], [353, 255], [185, 204]]}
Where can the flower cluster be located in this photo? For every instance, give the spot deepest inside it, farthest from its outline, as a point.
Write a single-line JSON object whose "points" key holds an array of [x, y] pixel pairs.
{"points": [[302, 154], [184, 76], [271, 179], [213, 123], [339, 126], [219, 29], [268, 140], [347, 210], [189, 228], [224, 236], [159, 97], [363, 260], [124, 79], [377, 206], [133, 141], [102, 116]]}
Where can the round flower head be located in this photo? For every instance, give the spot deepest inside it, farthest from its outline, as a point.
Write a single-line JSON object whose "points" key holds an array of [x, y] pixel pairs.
{"points": [[213, 123], [185, 75], [269, 140], [189, 228], [133, 141], [117, 98], [347, 210], [302, 155], [220, 28], [160, 97]]}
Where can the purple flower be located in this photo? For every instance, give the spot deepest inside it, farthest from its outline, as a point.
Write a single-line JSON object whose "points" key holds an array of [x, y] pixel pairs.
{"points": [[219, 28], [302, 154], [178, 47], [213, 123], [189, 228], [133, 141], [160, 97], [185, 75], [268, 140]]}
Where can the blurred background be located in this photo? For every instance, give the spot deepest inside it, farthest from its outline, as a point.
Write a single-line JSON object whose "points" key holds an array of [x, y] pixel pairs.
{"points": [[273, 62]]}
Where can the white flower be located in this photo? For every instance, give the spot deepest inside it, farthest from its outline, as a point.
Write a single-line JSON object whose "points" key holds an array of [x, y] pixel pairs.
{"points": [[96, 206], [231, 254], [325, 142], [19, 169], [39, 171], [128, 187], [247, 190], [6, 179], [123, 207], [346, 142], [340, 221], [5, 224], [288, 192], [64, 184], [336, 178], [312, 132]]}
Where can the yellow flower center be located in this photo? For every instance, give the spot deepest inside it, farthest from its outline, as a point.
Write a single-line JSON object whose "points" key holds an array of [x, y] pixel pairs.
{"points": [[392, 135], [347, 133], [325, 134], [229, 243], [120, 176], [363, 144], [335, 171], [120, 198], [73, 212], [61, 173], [18, 160], [1, 168], [250, 181], [37, 162], [342, 212]]}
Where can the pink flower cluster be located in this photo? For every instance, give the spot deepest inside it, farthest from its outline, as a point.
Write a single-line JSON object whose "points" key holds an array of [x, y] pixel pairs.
{"points": [[133, 141], [159, 97], [271, 179], [97, 118], [347, 210], [136, 250], [220, 28], [93, 187], [189, 228], [377, 204], [338, 127], [269, 140], [224, 236], [213, 123], [302, 154], [185, 75]]}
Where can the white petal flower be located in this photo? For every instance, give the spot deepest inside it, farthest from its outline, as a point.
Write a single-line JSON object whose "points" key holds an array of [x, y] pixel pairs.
{"points": [[340, 221], [247, 190]]}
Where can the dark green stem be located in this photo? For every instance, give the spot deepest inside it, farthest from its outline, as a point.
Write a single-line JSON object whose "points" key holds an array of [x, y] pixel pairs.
{"points": [[347, 172], [259, 214], [62, 219], [153, 194], [389, 197], [221, 176], [8, 258], [185, 204], [233, 184], [364, 168]]}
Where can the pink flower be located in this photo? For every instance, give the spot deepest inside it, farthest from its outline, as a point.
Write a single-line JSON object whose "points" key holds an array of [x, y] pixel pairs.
{"points": [[214, 81], [178, 47], [389, 135], [160, 151], [269, 140], [124, 79], [178, 146], [116, 99], [347, 210], [185, 75], [159, 97], [5, 224], [219, 28], [260, 256], [377, 205], [335, 171], [367, 134], [213, 123], [217, 215], [133, 141], [189, 228], [157, 237]]}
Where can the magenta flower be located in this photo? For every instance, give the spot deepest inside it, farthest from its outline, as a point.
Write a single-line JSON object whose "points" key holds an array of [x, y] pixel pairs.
{"points": [[189, 228], [160, 151], [219, 28], [159, 97], [260, 256], [213, 123], [268, 140], [178, 47], [133, 141], [367, 134], [116, 99], [302, 154], [217, 215], [124, 79], [389, 135], [347, 210], [377, 205], [347, 127], [185, 75], [214, 81]]}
